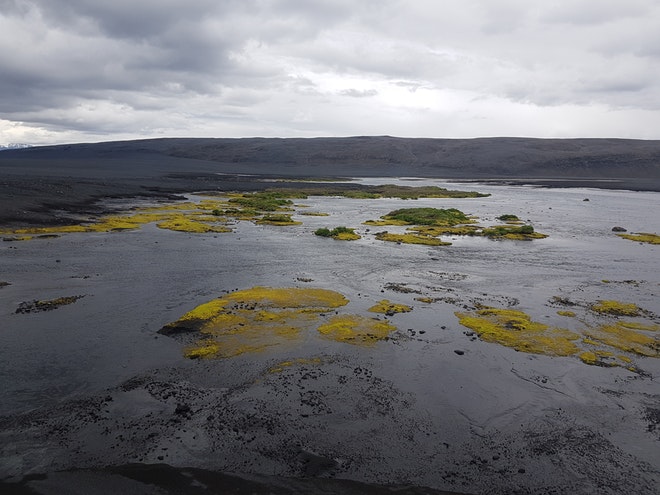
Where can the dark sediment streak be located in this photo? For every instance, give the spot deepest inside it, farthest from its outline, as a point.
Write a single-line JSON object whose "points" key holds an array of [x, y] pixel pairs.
{"points": [[139, 479]]}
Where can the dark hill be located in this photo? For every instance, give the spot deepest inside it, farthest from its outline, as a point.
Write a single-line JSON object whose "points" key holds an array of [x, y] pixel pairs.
{"points": [[355, 156]]}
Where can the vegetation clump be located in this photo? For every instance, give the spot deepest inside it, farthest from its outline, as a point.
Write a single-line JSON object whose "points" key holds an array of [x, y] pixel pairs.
{"points": [[182, 223], [339, 233], [252, 320], [642, 237], [508, 218], [389, 308], [428, 216], [271, 200], [512, 232], [411, 239], [356, 330], [260, 318], [592, 344], [615, 308], [513, 328], [278, 219], [625, 339]]}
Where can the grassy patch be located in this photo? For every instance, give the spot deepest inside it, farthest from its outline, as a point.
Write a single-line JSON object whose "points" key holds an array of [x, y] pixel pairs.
{"points": [[339, 233], [411, 239]]}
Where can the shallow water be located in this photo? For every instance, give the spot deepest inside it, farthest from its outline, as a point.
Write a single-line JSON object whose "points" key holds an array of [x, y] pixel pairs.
{"points": [[479, 403]]}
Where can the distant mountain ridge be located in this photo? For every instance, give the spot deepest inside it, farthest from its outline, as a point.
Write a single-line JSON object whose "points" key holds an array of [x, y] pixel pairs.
{"points": [[478, 158]]}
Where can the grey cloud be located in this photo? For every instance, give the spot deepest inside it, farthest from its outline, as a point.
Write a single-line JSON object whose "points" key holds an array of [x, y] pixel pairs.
{"points": [[87, 64], [357, 93]]}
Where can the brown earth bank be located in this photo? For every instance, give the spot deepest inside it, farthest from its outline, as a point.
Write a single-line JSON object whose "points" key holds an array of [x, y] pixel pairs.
{"points": [[36, 182]]}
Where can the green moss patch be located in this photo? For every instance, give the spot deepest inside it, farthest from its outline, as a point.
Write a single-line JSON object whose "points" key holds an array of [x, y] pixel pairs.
{"points": [[338, 233]]}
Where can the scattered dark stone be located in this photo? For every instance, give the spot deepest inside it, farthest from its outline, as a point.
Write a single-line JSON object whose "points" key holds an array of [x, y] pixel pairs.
{"points": [[459, 352], [182, 409], [496, 457], [37, 306], [585, 199], [521, 470], [618, 229], [4, 284]]}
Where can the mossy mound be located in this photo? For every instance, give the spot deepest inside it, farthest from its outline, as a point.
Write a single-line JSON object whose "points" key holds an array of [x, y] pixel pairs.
{"points": [[435, 230], [411, 239], [252, 320], [513, 328], [260, 318], [616, 308], [512, 232], [428, 216], [277, 219], [338, 233], [389, 308], [356, 330], [642, 237], [593, 344], [509, 218], [619, 337]]}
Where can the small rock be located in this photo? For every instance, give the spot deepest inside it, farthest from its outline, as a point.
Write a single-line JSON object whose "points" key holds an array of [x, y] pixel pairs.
{"points": [[182, 409], [618, 229], [585, 199], [459, 352]]}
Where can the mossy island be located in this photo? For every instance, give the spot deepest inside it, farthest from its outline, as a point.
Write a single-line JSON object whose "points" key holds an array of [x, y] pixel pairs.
{"points": [[338, 233], [430, 223]]}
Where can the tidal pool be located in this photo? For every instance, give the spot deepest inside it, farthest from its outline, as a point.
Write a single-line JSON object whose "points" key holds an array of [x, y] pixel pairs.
{"points": [[430, 400]]}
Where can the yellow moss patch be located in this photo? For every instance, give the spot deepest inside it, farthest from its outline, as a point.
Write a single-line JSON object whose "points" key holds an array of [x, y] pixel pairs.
{"points": [[382, 223], [435, 231], [181, 223], [388, 307], [635, 325], [625, 339], [293, 297], [569, 314], [615, 308], [513, 328], [427, 300], [411, 239], [355, 329], [588, 357], [347, 236], [252, 320], [203, 349], [314, 214], [279, 220], [642, 237]]}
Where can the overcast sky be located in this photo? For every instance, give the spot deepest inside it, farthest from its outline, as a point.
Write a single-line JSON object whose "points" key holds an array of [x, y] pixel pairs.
{"points": [[96, 70]]}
